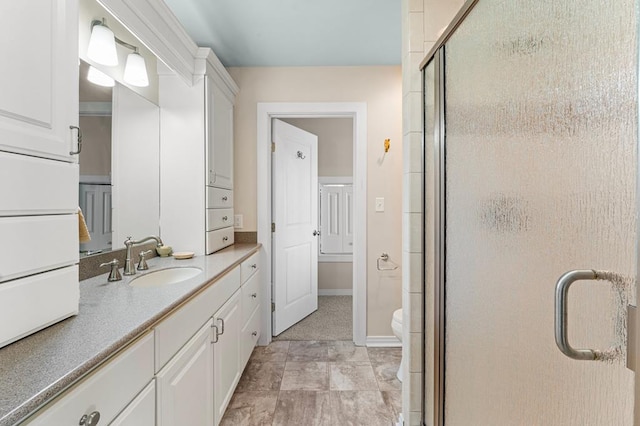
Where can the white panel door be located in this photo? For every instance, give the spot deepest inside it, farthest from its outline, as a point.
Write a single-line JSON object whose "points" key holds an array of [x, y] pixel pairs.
{"points": [[295, 214], [39, 84]]}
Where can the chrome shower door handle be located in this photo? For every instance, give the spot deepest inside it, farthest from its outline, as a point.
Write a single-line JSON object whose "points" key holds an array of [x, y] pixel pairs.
{"points": [[562, 292]]}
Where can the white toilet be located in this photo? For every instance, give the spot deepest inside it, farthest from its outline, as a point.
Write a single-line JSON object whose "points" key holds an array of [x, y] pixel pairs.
{"points": [[396, 326]]}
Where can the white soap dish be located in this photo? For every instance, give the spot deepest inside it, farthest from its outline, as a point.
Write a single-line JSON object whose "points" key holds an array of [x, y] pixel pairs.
{"points": [[183, 255]]}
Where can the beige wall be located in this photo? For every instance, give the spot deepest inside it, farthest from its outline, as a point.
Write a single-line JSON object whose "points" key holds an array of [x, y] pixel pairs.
{"points": [[95, 159], [381, 89], [335, 276], [335, 143]]}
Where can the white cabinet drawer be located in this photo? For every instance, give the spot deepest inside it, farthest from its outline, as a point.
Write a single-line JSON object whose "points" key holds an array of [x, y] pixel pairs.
{"points": [[219, 218], [176, 330], [250, 297], [141, 411], [249, 337], [219, 239], [32, 185], [249, 267], [218, 198], [108, 391], [57, 244], [33, 303]]}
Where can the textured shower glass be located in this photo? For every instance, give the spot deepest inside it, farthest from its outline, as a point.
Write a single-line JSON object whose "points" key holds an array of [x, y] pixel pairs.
{"points": [[541, 129]]}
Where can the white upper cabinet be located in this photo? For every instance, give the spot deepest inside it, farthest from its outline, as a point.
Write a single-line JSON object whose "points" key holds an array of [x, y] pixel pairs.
{"points": [[39, 83], [220, 136]]}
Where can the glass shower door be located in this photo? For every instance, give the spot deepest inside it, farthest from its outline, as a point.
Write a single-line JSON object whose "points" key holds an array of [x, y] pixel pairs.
{"points": [[540, 166]]}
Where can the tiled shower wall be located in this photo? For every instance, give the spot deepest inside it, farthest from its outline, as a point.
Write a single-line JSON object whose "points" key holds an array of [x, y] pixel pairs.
{"points": [[422, 23]]}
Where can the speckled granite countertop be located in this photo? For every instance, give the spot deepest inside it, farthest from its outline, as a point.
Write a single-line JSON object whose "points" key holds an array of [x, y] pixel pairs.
{"points": [[37, 368]]}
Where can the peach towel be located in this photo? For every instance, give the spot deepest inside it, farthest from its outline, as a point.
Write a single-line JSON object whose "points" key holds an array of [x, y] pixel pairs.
{"points": [[83, 231]]}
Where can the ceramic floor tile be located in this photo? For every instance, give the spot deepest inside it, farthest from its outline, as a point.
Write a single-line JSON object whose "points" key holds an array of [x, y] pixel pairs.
{"points": [[306, 351], [386, 377], [385, 355], [393, 399], [352, 376], [303, 408], [347, 352], [305, 376], [261, 376], [250, 409], [351, 408], [274, 352]]}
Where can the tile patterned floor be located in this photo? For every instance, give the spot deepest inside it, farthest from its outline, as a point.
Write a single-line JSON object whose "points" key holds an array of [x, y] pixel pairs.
{"points": [[302, 383]]}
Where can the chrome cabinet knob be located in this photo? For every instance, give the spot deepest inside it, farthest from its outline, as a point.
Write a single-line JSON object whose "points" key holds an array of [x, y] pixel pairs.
{"points": [[225, 239], [225, 218], [316, 233], [254, 266], [90, 420], [224, 198], [254, 295], [254, 334]]}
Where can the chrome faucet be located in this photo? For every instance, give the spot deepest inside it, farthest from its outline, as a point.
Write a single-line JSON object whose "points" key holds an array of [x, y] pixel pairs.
{"points": [[129, 265]]}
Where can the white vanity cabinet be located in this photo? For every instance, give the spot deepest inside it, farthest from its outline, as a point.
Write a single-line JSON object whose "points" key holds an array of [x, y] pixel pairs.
{"points": [[141, 411], [39, 87], [195, 120], [106, 392], [226, 353], [185, 384], [38, 170], [182, 372]]}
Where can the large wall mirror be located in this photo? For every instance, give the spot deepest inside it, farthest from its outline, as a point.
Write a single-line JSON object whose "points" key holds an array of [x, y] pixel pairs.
{"points": [[120, 159]]}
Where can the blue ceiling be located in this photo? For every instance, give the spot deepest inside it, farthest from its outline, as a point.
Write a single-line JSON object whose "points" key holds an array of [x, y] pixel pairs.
{"points": [[247, 33]]}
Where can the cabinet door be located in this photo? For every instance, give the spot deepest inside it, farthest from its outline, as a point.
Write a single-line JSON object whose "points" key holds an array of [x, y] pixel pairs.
{"points": [[185, 385], [220, 137], [39, 85], [227, 353], [141, 411]]}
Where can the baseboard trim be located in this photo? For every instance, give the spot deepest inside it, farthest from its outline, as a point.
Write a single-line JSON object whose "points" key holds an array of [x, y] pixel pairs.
{"points": [[335, 292], [383, 342]]}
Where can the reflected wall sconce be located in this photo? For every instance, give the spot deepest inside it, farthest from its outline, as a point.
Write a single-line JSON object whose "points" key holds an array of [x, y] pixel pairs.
{"points": [[102, 50], [387, 145], [98, 77]]}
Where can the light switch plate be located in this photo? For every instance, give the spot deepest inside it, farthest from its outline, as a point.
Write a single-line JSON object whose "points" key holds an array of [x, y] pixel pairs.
{"points": [[379, 204], [237, 221]]}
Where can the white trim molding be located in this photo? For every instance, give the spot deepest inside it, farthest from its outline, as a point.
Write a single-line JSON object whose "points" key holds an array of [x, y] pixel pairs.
{"points": [[383, 342], [335, 292], [266, 111]]}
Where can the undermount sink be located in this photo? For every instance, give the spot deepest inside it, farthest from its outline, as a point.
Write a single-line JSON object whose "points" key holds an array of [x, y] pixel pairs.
{"points": [[165, 277]]}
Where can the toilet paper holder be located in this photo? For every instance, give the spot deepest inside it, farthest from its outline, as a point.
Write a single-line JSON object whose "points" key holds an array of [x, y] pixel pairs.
{"points": [[384, 257]]}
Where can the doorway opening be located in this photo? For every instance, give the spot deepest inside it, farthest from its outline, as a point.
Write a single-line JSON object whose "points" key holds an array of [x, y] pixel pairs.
{"points": [[295, 112], [331, 316]]}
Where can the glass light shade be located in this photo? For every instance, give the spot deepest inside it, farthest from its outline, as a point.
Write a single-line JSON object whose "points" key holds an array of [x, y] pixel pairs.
{"points": [[135, 71], [98, 77], [102, 46]]}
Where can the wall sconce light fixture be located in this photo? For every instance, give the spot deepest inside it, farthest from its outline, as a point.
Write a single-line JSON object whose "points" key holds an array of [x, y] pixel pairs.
{"points": [[102, 50]]}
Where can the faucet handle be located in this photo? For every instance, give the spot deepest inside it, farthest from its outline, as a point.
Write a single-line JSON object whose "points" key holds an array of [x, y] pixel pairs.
{"points": [[114, 275], [142, 264]]}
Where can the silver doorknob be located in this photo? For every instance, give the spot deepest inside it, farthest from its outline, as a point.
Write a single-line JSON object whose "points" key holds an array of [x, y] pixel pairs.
{"points": [[90, 420], [316, 233]]}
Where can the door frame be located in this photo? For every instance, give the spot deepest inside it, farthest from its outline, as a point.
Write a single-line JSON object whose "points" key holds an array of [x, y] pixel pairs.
{"points": [[266, 111]]}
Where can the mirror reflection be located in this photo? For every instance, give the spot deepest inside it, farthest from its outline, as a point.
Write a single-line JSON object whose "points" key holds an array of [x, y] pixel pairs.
{"points": [[119, 164]]}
